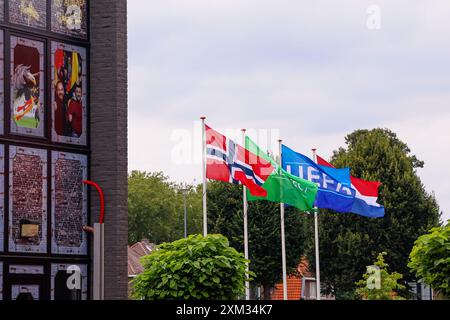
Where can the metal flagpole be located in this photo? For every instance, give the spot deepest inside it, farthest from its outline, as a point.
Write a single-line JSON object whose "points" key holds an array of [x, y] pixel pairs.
{"points": [[205, 212], [283, 237], [316, 242], [247, 283]]}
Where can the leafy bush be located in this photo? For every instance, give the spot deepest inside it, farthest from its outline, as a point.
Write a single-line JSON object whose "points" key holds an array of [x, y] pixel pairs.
{"points": [[388, 282], [430, 259], [194, 268]]}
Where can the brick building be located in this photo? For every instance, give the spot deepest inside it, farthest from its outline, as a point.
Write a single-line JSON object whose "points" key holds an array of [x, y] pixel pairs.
{"points": [[63, 119], [301, 286]]}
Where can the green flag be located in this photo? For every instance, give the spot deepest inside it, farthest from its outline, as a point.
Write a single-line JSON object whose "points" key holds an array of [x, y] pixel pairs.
{"points": [[283, 187]]}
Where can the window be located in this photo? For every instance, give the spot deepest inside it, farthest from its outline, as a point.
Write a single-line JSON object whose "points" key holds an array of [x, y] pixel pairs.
{"points": [[309, 289]]}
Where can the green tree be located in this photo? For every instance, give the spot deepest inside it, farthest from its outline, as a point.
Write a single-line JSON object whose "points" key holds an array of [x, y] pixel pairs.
{"points": [[198, 267], [155, 208], [350, 242], [225, 216], [387, 287], [430, 259]]}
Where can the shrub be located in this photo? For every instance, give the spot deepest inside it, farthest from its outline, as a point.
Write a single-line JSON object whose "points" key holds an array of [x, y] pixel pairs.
{"points": [[430, 259], [194, 268]]}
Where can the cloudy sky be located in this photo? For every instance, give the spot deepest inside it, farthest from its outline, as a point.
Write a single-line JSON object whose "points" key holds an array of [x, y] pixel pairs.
{"points": [[308, 71]]}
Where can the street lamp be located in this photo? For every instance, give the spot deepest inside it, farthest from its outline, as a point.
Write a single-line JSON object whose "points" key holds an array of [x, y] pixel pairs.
{"points": [[185, 192]]}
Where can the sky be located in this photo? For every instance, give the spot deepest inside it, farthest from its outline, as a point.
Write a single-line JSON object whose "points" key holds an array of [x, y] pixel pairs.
{"points": [[309, 72]]}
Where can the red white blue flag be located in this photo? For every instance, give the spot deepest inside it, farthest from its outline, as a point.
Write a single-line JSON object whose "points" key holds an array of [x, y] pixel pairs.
{"points": [[229, 162], [366, 197]]}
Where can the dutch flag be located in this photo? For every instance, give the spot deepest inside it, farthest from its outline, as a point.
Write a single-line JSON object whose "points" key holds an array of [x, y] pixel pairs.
{"points": [[365, 202]]}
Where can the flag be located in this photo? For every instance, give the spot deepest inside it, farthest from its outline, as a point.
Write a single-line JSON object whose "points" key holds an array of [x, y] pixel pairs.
{"points": [[283, 187], [229, 162], [75, 70], [334, 186], [366, 195]]}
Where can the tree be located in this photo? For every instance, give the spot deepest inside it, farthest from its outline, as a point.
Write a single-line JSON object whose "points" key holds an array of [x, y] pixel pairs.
{"points": [[386, 287], [430, 259], [192, 269], [225, 216], [350, 242], [155, 208]]}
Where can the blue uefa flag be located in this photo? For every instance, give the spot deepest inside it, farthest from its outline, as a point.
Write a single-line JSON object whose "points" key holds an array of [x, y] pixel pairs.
{"points": [[335, 191]]}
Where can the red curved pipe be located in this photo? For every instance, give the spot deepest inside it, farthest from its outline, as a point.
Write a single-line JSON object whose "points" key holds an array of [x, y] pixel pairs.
{"points": [[102, 199]]}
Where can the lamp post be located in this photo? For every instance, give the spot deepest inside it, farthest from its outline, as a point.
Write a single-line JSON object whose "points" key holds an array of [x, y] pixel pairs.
{"points": [[184, 192]]}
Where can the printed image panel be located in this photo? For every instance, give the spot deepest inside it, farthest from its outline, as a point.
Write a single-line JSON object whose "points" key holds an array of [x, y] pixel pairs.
{"points": [[25, 292], [27, 200], [69, 94], [27, 87], [30, 13], [2, 81], [60, 275], [2, 196], [69, 17], [21, 269], [1, 281], [69, 203], [2, 10]]}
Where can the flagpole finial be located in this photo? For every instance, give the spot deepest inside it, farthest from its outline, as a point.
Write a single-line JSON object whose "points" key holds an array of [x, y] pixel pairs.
{"points": [[314, 149], [280, 140], [244, 130], [202, 118]]}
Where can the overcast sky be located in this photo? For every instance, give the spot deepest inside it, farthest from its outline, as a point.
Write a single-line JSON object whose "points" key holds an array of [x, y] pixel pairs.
{"points": [[308, 71]]}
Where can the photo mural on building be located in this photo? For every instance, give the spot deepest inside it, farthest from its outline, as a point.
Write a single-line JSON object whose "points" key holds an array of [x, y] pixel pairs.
{"points": [[27, 200], [69, 94], [2, 10], [27, 87], [26, 269], [30, 13], [2, 82], [59, 275], [69, 203], [44, 148], [1, 280], [2, 196], [69, 17], [25, 292]]}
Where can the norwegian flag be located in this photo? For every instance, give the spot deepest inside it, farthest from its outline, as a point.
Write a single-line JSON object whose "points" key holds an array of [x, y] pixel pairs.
{"points": [[229, 162]]}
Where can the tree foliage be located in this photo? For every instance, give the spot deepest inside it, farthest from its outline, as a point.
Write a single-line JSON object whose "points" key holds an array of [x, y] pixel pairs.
{"points": [[348, 242], [386, 287], [194, 268], [155, 208], [225, 216], [430, 259]]}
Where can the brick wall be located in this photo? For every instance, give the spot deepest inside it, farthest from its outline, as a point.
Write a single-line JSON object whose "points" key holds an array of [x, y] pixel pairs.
{"points": [[109, 135]]}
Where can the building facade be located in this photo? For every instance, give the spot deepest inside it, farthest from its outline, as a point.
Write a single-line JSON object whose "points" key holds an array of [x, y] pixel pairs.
{"points": [[63, 120]]}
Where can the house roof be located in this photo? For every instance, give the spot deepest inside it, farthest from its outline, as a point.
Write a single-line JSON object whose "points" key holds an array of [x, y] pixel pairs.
{"points": [[294, 282], [135, 253], [294, 286]]}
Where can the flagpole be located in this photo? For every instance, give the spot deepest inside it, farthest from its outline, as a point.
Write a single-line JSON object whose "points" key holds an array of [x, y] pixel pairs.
{"points": [[205, 212], [247, 283], [283, 237], [316, 242]]}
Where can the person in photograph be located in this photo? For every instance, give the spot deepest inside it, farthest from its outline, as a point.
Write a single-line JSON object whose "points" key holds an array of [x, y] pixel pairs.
{"points": [[75, 111], [62, 126]]}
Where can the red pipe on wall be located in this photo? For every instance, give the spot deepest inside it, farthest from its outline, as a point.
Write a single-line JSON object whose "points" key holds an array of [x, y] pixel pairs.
{"points": [[102, 199]]}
